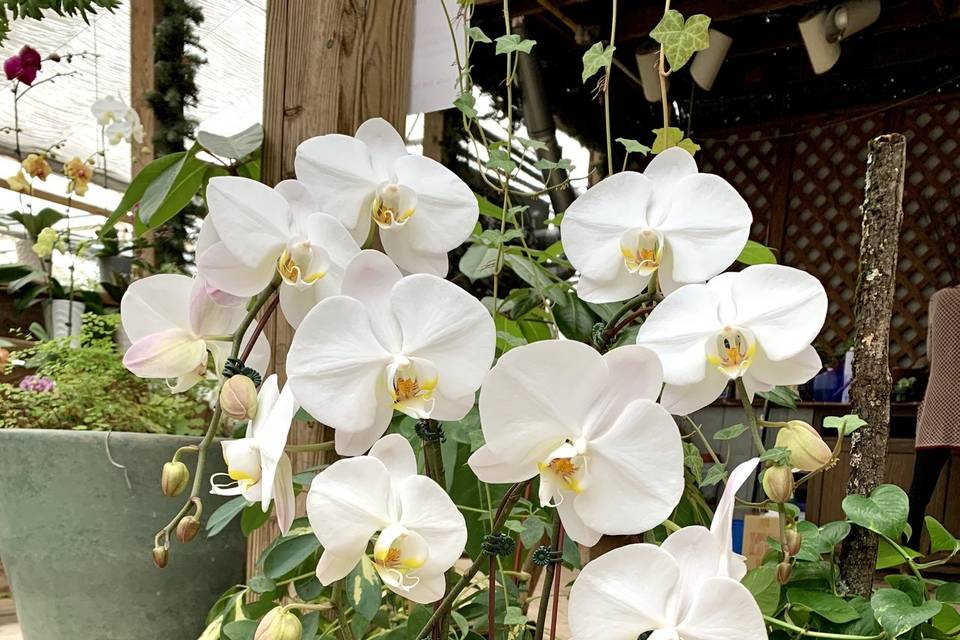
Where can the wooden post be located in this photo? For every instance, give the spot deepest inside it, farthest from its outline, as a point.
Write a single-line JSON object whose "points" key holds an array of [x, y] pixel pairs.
{"points": [[328, 66], [144, 15], [870, 392]]}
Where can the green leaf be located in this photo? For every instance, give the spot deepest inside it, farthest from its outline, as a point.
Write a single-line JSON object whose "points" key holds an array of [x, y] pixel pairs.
{"points": [[11, 272], [310, 624], [715, 474], [224, 515], [693, 460], [513, 43], [597, 57], [34, 223], [832, 534], [363, 589], [681, 39], [288, 554], [949, 593], [897, 615], [467, 104], [138, 186], [910, 585], [756, 253], [824, 604], [533, 531], [235, 147], [562, 164], [261, 584], [477, 35], [940, 538], [254, 517], [514, 616], [844, 425], [884, 511], [632, 146], [776, 455], [731, 432], [783, 396], [530, 272], [888, 556], [500, 159], [478, 262], [239, 630], [762, 583], [418, 617], [574, 318], [673, 137], [170, 192]]}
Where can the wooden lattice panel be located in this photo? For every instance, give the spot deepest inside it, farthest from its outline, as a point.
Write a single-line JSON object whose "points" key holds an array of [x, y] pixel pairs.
{"points": [[806, 186]]}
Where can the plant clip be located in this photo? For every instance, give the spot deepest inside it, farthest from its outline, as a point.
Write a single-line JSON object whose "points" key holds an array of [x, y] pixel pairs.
{"points": [[543, 556], [430, 431], [498, 544], [235, 367]]}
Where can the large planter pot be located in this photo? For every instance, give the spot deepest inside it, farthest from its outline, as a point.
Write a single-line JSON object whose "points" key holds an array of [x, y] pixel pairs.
{"points": [[76, 541], [63, 318]]}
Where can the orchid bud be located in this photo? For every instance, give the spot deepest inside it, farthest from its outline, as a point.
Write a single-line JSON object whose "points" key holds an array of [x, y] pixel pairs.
{"points": [[174, 478], [778, 483], [793, 540], [808, 451], [784, 571], [187, 529], [279, 625], [238, 398], [160, 556]]}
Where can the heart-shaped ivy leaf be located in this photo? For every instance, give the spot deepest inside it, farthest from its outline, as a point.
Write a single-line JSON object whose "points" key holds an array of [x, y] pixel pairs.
{"points": [[896, 613], [596, 58], [884, 511], [681, 38]]}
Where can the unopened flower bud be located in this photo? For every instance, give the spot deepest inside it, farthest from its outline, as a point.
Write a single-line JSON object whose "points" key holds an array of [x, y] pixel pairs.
{"points": [[784, 571], [778, 483], [187, 528], [808, 451], [238, 398], [174, 478], [793, 540], [279, 625], [160, 556]]}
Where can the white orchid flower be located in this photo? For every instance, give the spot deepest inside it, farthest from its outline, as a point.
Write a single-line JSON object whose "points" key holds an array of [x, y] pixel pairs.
{"points": [[421, 209], [418, 344], [175, 321], [686, 589], [670, 220], [127, 128], [756, 324], [609, 458], [108, 109], [255, 231], [257, 467], [419, 531]]}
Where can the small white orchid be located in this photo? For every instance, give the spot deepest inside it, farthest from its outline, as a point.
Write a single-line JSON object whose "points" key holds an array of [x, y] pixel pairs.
{"points": [[174, 321], [756, 324], [257, 466], [255, 231], [119, 121], [686, 589], [609, 458], [419, 531], [421, 208], [418, 344], [108, 109], [670, 220]]}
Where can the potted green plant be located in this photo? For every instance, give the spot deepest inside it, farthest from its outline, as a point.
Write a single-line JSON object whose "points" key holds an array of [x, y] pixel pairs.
{"points": [[82, 442]]}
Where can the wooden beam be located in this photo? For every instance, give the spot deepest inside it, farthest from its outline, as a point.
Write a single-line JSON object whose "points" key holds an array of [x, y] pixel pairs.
{"points": [[144, 15], [328, 67]]}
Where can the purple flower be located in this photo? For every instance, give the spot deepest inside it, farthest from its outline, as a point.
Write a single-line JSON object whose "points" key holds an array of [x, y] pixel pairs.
{"points": [[40, 384], [23, 66]]}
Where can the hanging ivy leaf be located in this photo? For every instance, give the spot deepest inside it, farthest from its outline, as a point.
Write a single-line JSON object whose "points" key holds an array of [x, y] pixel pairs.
{"points": [[681, 38], [673, 137], [596, 58], [477, 35], [514, 43], [632, 146]]}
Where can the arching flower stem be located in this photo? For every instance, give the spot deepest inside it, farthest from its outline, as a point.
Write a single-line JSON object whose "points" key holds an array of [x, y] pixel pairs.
{"points": [[752, 421]]}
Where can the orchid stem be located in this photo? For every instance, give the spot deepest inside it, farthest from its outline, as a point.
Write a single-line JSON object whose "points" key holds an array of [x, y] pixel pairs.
{"points": [[751, 416], [606, 95], [819, 634], [309, 448], [503, 512], [339, 590], [556, 582], [548, 582]]}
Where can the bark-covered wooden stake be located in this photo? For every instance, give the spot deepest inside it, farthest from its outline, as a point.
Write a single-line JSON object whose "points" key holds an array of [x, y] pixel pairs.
{"points": [[870, 392]]}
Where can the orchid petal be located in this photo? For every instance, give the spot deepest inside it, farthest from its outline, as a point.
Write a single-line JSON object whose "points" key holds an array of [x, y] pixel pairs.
{"points": [[622, 287], [527, 399], [682, 400], [635, 472], [167, 354], [669, 167], [396, 244], [723, 609], [155, 304], [344, 514], [700, 556], [301, 202], [385, 144], [574, 526], [784, 307], [793, 370], [356, 443], [444, 324], [677, 330], [396, 454], [494, 469], [722, 525], [272, 431], [284, 497], [336, 365], [634, 374], [370, 277], [323, 230], [207, 317], [427, 509], [224, 271], [430, 588], [339, 171], [623, 594], [333, 567], [252, 219], [446, 210]]}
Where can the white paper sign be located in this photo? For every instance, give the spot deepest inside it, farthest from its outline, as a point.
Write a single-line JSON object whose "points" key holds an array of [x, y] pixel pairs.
{"points": [[433, 78]]}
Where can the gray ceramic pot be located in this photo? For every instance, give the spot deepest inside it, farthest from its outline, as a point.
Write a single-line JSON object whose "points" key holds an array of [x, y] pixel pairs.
{"points": [[76, 541]]}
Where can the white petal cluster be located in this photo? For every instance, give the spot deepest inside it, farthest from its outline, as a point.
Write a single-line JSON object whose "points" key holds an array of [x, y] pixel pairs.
{"points": [[119, 121]]}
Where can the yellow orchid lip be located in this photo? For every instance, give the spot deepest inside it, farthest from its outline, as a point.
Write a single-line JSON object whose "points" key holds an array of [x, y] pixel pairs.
{"points": [[293, 273], [393, 205], [642, 250], [733, 351]]}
